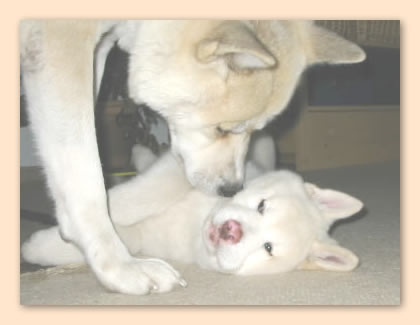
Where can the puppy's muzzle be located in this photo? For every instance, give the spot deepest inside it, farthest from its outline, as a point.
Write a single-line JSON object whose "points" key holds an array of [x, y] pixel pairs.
{"points": [[230, 232], [230, 189]]}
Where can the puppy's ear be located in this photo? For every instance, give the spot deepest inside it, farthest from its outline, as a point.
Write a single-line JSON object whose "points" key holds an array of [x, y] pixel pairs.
{"points": [[327, 47], [330, 257], [333, 204], [237, 45]]}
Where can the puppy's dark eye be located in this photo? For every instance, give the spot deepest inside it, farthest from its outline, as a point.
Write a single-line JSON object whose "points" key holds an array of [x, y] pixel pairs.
{"points": [[261, 207], [268, 247]]}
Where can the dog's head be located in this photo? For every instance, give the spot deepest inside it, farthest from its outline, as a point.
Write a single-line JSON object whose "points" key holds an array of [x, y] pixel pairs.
{"points": [[277, 224], [217, 81]]}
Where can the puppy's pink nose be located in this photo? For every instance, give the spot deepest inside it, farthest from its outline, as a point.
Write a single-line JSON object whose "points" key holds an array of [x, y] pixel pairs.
{"points": [[231, 232]]}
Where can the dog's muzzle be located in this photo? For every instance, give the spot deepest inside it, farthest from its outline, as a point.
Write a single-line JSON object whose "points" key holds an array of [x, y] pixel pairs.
{"points": [[229, 190]]}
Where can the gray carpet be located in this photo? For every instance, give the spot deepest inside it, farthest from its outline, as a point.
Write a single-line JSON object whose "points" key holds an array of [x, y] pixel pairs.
{"points": [[373, 234]]}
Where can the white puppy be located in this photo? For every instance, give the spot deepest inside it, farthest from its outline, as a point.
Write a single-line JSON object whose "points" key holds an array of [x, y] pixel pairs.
{"points": [[276, 224]]}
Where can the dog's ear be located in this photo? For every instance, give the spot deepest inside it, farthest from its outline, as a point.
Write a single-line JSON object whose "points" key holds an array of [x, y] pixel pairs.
{"points": [[333, 204], [330, 257], [237, 45], [327, 47]]}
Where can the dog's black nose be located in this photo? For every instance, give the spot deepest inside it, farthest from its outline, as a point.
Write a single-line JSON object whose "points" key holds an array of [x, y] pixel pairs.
{"points": [[229, 190]]}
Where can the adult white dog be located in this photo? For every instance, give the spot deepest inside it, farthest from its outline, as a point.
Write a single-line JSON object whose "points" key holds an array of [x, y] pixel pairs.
{"points": [[276, 224], [214, 82]]}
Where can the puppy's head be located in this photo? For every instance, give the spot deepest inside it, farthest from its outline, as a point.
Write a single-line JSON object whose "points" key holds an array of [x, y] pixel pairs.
{"points": [[277, 224], [217, 81]]}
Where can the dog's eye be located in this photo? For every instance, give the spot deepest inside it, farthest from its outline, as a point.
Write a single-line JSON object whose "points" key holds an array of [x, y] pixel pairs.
{"points": [[222, 132], [261, 206], [268, 247]]}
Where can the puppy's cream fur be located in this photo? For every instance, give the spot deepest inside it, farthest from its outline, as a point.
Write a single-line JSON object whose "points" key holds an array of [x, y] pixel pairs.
{"points": [[214, 81], [159, 214]]}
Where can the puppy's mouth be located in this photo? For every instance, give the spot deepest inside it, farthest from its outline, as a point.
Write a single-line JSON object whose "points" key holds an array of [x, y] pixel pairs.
{"points": [[216, 238], [213, 235]]}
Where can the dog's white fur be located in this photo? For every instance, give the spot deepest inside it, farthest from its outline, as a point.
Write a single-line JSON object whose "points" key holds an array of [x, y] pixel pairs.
{"points": [[161, 215], [214, 81]]}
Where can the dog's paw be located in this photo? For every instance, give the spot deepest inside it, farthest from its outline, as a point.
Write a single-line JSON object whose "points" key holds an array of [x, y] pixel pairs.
{"points": [[141, 276], [163, 275]]}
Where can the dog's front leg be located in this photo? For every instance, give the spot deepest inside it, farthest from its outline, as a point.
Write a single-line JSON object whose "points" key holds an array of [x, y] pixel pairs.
{"points": [[57, 60]]}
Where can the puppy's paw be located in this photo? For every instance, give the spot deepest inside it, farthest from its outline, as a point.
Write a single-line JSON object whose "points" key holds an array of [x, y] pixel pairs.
{"points": [[45, 247], [140, 277]]}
